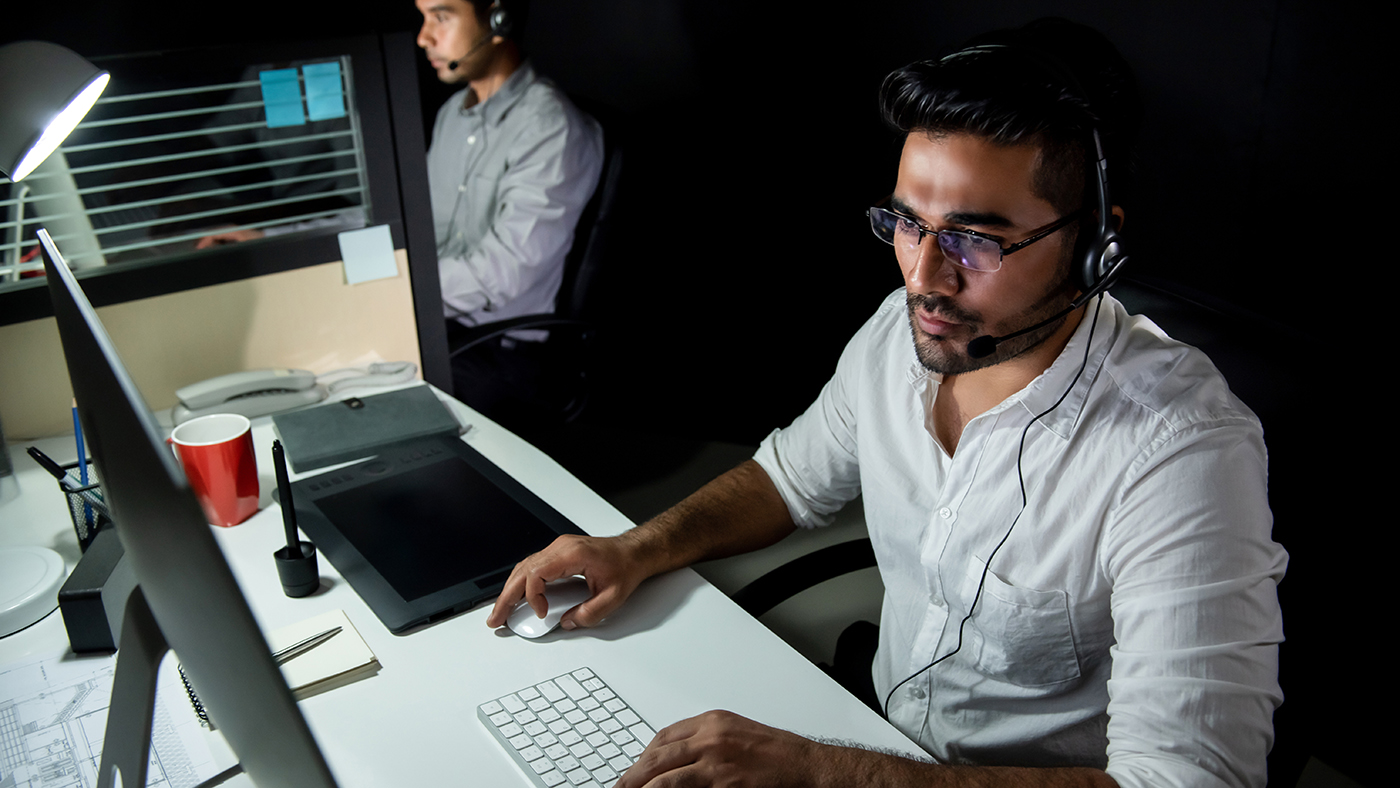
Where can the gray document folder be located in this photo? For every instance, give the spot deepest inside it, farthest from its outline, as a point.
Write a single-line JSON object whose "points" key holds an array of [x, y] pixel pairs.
{"points": [[360, 426]]}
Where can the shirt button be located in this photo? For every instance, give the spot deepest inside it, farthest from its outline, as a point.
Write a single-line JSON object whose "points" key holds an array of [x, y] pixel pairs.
{"points": [[471, 140], [462, 187], [945, 513], [918, 693]]}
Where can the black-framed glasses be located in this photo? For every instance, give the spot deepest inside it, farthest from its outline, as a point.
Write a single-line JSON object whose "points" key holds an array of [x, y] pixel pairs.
{"points": [[971, 250]]}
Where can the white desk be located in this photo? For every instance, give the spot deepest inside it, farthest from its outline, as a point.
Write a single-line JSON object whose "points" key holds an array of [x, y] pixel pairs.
{"points": [[677, 648]]}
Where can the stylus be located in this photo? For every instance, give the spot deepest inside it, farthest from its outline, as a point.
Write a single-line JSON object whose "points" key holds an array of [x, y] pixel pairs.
{"points": [[284, 493]]}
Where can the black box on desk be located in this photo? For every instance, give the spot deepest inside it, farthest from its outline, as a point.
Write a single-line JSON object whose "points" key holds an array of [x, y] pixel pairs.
{"points": [[93, 600]]}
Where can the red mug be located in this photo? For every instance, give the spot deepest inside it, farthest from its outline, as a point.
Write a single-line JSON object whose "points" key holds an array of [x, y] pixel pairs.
{"points": [[217, 452]]}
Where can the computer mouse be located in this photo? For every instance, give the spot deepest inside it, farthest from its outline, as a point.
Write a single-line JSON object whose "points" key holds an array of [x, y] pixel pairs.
{"points": [[562, 596]]}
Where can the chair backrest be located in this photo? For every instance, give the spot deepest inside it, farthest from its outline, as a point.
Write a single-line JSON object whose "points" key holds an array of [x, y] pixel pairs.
{"points": [[594, 228]]}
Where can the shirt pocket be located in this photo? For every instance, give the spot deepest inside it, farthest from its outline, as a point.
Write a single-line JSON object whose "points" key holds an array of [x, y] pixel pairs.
{"points": [[1021, 635]]}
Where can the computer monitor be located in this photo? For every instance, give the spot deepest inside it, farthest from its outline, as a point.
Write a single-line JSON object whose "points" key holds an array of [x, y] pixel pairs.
{"points": [[186, 596]]}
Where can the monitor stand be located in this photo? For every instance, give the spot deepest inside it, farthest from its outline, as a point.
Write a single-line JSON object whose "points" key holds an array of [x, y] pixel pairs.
{"points": [[126, 746]]}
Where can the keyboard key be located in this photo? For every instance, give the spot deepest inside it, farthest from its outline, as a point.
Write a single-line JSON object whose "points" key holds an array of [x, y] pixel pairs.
{"points": [[551, 691], [572, 687]]}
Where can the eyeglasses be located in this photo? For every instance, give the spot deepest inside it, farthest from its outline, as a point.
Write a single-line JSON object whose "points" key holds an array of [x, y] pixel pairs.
{"points": [[971, 250]]}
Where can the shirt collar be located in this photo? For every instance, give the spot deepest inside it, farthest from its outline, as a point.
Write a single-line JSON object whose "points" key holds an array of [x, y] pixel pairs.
{"points": [[501, 102], [1042, 392]]}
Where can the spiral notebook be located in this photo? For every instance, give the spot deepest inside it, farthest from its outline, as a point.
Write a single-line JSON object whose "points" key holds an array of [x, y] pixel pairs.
{"points": [[343, 659]]}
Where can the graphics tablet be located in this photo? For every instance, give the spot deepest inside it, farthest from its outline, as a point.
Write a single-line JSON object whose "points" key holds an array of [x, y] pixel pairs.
{"points": [[426, 529]]}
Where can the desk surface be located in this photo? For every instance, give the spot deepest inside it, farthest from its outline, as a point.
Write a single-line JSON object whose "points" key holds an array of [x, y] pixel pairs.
{"points": [[678, 648]]}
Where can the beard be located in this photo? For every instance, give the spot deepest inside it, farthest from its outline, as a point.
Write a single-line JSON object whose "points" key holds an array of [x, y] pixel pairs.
{"points": [[948, 356]]}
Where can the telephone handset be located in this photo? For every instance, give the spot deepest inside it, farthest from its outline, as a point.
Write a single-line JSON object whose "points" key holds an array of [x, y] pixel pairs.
{"points": [[251, 393]]}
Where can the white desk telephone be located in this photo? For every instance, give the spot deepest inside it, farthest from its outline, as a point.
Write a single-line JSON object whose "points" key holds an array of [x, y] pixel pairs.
{"points": [[252, 393]]}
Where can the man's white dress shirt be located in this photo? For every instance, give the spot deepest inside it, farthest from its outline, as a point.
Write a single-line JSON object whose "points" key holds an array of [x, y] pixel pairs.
{"points": [[1130, 621]]}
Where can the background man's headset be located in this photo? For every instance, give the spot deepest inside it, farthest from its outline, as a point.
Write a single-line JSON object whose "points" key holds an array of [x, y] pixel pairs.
{"points": [[500, 22], [1101, 258]]}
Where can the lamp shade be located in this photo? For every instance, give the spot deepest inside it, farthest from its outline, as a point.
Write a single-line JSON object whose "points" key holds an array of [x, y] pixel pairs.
{"points": [[45, 89]]}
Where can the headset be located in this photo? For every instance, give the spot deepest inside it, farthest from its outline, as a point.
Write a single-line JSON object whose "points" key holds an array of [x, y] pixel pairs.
{"points": [[501, 23], [1100, 253], [1100, 258]]}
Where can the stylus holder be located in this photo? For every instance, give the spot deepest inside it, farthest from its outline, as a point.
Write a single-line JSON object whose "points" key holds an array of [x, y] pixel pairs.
{"points": [[86, 506], [297, 570]]}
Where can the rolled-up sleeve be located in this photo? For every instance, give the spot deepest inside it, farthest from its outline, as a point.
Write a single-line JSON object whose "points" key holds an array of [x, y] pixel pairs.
{"points": [[1196, 619]]}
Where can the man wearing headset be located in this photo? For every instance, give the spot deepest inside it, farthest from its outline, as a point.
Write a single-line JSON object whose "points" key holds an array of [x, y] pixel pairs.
{"points": [[511, 166], [1068, 507]]}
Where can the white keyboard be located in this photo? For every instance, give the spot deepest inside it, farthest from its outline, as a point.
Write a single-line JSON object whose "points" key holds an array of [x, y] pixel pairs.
{"points": [[569, 731]]}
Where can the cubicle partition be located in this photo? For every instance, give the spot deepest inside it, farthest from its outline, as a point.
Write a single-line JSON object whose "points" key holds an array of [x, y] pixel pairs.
{"points": [[312, 136]]}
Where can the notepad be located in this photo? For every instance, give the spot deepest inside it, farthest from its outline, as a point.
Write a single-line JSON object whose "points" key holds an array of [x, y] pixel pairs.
{"points": [[341, 660], [344, 659]]}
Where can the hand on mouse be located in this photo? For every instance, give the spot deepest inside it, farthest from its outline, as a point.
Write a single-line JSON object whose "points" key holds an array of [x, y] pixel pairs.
{"points": [[609, 564]]}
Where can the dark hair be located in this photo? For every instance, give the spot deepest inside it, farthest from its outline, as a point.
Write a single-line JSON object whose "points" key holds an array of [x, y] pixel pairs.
{"points": [[1048, 83]]}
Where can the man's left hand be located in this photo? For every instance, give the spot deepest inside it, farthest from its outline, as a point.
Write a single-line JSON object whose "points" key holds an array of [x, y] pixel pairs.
{"points": [[720, 748]]}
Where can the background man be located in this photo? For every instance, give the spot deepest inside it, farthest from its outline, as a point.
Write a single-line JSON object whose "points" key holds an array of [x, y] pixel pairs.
{"points": [[1071, 522], [511, 166]]}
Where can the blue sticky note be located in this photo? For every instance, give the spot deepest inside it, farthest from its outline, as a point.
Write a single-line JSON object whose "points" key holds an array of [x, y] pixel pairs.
{"points": [[324, 97], [368, 254], [281, 92]]}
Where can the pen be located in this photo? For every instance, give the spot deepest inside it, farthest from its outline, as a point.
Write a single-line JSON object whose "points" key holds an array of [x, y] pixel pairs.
{"points": [[301, 647], [46, 462], [69, 485]]}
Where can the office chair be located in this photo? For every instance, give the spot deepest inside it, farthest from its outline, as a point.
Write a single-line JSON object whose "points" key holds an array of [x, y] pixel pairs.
{"points": [[569, 324]]}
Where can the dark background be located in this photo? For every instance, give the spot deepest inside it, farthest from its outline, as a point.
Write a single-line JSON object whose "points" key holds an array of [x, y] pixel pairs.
{"points": [[754, 146]]}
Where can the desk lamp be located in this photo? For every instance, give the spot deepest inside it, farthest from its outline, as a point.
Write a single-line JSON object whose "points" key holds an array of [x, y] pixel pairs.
{"points": [[45, 90]]}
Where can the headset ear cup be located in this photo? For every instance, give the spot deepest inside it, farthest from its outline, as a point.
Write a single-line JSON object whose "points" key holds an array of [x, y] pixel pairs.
{"points": [[500, 20], [1104, 261]]}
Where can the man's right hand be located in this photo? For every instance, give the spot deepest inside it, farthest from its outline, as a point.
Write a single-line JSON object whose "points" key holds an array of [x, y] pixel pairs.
{"points": [[610, 565], [232, 236]]}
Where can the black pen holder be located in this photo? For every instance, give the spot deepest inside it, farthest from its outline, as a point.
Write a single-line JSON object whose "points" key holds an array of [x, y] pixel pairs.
{"points": [[86, 506], [297, 570]]}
